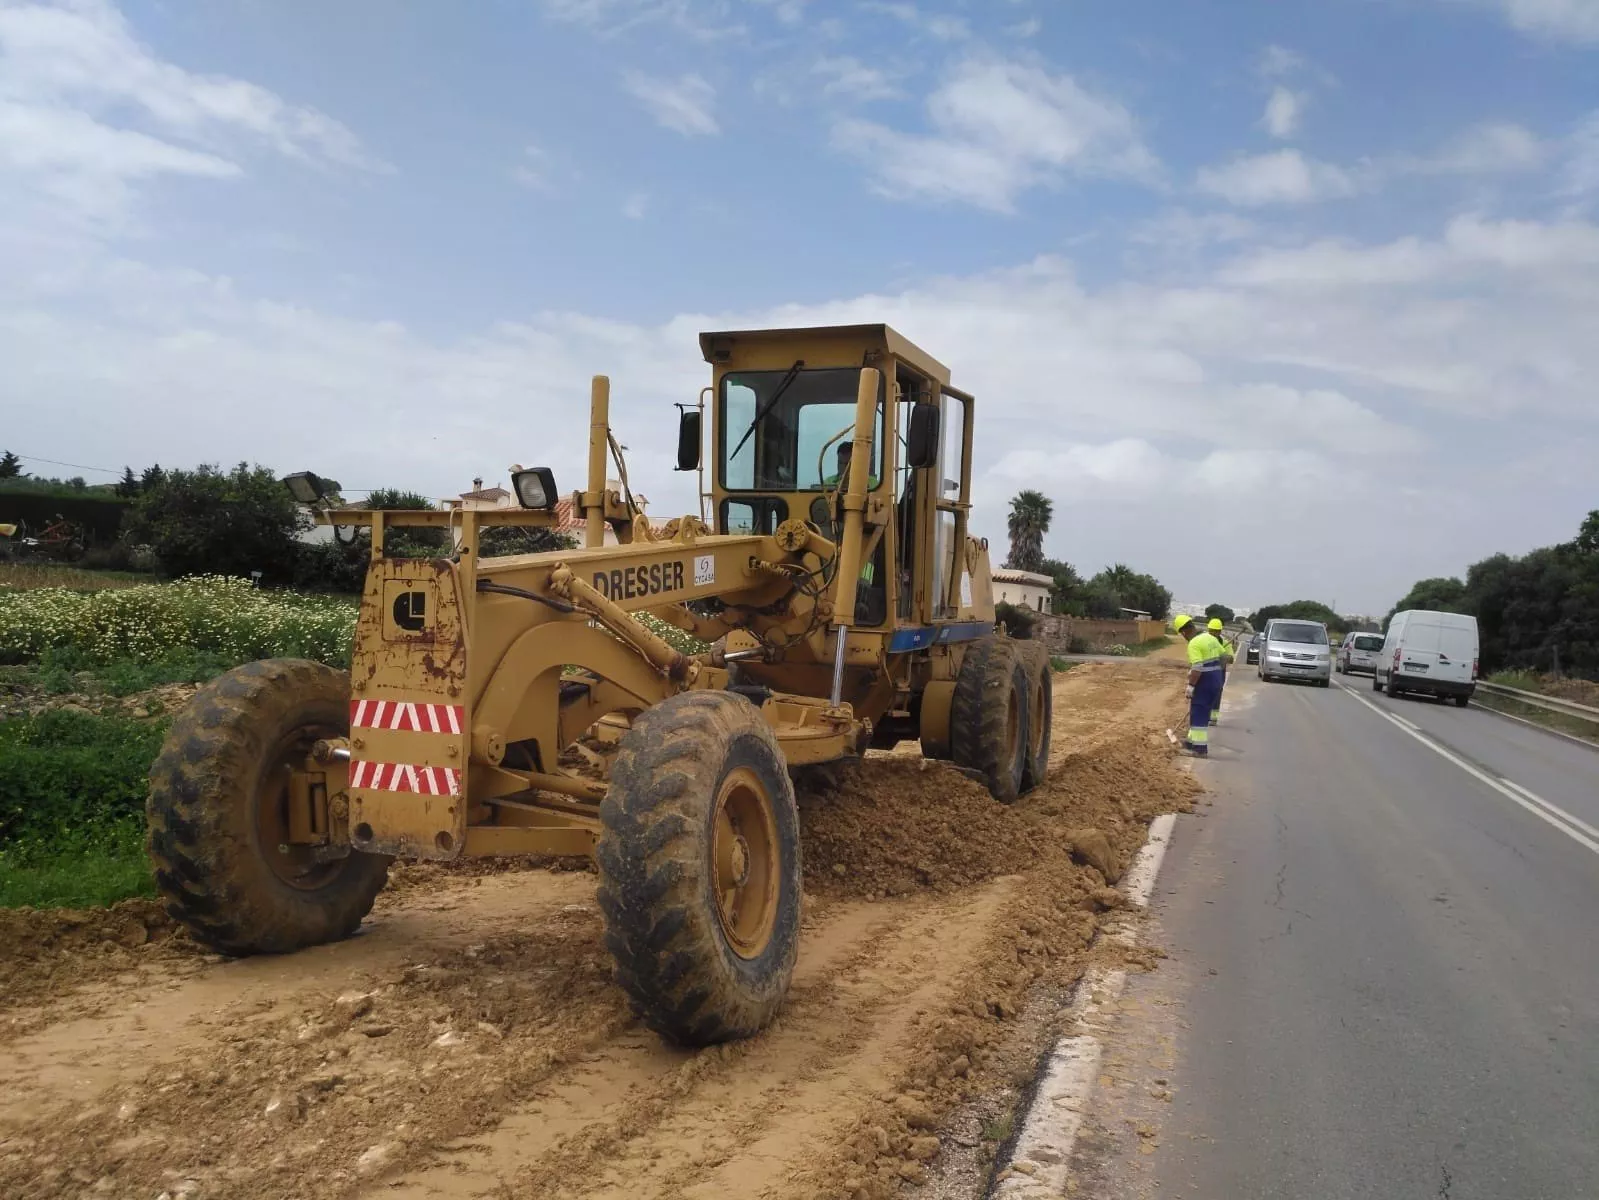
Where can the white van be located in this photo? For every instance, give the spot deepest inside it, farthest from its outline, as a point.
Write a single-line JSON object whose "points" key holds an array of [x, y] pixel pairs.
{"points": [[1433, 653]]}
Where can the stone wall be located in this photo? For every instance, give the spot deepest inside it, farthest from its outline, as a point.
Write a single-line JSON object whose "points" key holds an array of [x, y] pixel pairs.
{"points": [[1058, 632]]}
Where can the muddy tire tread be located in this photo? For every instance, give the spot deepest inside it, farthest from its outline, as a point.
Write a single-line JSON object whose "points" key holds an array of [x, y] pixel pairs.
{"points": [[197, 846], [1035, 658], [671, 957], [978, 715]]}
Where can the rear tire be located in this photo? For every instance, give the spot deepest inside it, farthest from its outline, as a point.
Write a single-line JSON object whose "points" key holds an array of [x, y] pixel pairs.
{"points": [[699, 860], [1462, 701], [1040, 712], [989, 718], [217, 814], [1376, 683]]}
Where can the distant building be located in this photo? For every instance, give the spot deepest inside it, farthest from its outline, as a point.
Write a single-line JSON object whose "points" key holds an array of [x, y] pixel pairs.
{"points": [[1024, 589], [568, 518]]}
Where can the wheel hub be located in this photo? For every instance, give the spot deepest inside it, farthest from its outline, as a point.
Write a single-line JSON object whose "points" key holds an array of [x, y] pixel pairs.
{"points": [[745, 863]]}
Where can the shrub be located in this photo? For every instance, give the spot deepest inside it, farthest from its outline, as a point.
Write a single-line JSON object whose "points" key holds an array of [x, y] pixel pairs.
{"points": [[221, 618], [227, 523], [1018, 622]]}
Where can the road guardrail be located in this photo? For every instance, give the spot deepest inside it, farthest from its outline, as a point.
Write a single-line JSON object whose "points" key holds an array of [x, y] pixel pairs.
{"points": [[1567, 708]]}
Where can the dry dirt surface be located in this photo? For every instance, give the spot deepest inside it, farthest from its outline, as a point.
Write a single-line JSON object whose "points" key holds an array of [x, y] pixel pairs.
{"points": [[469, 1041]]}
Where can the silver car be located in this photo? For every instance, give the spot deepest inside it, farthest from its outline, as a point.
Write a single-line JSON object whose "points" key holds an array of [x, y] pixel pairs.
{"points": [[1360, 652], [1296, 650]]}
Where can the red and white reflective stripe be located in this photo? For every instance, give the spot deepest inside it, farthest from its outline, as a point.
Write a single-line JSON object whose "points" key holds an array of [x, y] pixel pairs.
{"points": [[405, 715], [405, 777]]}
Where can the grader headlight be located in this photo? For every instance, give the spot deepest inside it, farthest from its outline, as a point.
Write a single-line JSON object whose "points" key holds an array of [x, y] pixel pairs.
{"points": [[535, 488]]}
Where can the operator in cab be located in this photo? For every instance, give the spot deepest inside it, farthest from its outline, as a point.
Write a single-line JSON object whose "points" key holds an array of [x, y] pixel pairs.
{"points": [[1204, 683]]}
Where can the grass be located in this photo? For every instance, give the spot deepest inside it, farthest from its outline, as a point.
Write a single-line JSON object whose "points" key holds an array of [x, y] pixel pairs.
{"points": [[24, 577], [72, 789], [1059, 665], [86, 876], [1581, 691]]}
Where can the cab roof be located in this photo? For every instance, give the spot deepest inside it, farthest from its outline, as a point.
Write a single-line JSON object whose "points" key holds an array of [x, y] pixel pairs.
{"points": [[869, 336]]}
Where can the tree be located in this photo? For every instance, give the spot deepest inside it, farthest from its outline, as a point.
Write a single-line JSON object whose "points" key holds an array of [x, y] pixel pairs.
{"points": [[153, 476], [128, 486], [1030, 514], [210, 521], [1587, 537], [1298, 610], [408, 541], [1220, 610], [10, 466], [1437, 595], [1066, 596], [1133, 589]]}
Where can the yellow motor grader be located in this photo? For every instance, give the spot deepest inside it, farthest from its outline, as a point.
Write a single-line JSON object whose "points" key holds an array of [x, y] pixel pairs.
{"points": [[517, 705]]}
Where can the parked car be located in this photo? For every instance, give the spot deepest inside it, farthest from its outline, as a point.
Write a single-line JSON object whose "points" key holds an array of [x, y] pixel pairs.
{"points": [[1360, 652], [1429, 653], [1296, 650], [1252, 649]]}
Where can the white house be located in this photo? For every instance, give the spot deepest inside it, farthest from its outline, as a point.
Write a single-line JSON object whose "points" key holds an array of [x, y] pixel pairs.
{"points": [[1024, 589]]}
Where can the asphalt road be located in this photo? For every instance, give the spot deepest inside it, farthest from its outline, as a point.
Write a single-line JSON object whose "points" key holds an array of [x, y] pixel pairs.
{"points": [[1384, 961]]}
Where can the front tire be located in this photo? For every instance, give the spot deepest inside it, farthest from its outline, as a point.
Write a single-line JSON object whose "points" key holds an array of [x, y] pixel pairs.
{"points": [[699, 860], [989, 717], [218, 814]]}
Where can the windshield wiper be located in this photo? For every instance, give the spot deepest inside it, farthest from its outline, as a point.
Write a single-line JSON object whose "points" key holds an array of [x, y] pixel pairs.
{"points": [[793, 374]]}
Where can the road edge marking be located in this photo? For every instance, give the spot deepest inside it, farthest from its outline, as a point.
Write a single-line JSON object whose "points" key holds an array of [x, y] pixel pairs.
{"points": [[1044, 1142], [1559, 733], [1537, 806]]}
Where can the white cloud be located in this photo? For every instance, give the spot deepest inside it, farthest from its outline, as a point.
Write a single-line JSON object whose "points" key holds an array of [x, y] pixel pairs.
{"points": [[682, 105], [1184, 231], [1283, 109], [997, 129], [1579, 173], [532, 170], [703, 20], [1557, 20], [85, 55], [1031, 27], [1281, 177], [1491, 147], [635, 206], [941, 26], [848, 77], [1276, 61], [1276, 386]]}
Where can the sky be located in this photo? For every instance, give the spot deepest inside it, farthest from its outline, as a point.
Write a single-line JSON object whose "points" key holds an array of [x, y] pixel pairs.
{"points": [[1275, 300]]}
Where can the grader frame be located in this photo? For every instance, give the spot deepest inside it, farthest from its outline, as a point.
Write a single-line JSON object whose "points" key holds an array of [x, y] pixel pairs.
{"points": [[515, 705]]}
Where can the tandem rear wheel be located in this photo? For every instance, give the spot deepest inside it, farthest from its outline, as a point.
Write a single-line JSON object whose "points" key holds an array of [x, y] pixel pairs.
{"points": [[991, 717]]}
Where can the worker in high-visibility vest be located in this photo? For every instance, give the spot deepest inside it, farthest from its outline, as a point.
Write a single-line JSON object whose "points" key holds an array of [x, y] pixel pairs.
{"points": [[1204, 683], [1228, 657]]}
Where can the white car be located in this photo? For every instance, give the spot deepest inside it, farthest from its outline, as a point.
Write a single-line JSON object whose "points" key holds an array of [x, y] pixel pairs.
{"points": [[1429, 653], [1296, 650], [1360, 652]]}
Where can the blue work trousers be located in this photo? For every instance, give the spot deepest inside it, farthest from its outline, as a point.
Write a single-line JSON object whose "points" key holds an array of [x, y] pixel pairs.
{"points": [[1207, 698]]}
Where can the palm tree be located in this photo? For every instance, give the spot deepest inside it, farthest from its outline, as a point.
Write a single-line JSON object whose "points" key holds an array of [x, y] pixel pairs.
{"points": [[1030, 513]]}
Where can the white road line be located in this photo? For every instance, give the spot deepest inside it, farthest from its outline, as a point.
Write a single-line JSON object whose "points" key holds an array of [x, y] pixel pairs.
{"points": [[1536, 805], [1041, 1158], [1552, 807]]}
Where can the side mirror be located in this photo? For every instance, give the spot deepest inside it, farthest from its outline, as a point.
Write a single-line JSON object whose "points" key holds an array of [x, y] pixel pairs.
{"points": [[535, 488], [921, 445], [688, 440]]}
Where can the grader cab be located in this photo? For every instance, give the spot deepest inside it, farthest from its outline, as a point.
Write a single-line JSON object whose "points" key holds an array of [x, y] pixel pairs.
{"points": [[516, 705]]}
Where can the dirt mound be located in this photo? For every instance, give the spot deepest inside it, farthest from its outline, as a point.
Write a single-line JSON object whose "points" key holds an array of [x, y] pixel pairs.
{"points": [[892, 825], [49, 951], [889, 826]]}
